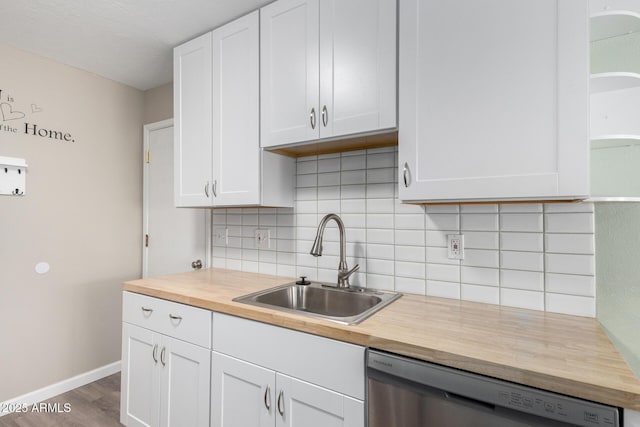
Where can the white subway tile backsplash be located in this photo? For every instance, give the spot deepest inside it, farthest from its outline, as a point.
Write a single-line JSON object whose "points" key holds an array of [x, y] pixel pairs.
{"points": [[521, 208], [529, 242], [479, 240], [531, 255], [476, 293], [570, 243], [442, 221], [377, 251], [415, 270], [479, 276], [381, 191], [328, 179], [570, 264], [569, 223], [571, 284], [521, 222], [380, 236], [409, 253], [443, 272], [521, 298], [329, 165], [529, 261], [568, 207], [443, 289], [571, 304], [492, 209], [352, 177], [516, 279], [481, 258], [354, 162], [409, 285], [478, 222]]}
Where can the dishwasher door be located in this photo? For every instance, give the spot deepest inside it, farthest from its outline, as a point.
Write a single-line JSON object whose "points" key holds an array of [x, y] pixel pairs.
{"points": [[403, 392]]}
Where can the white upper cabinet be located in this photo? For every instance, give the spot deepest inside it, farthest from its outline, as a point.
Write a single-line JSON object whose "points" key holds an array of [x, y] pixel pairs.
{"points": [[494, 100], [192, 121], [218, 159], [328, 69]]}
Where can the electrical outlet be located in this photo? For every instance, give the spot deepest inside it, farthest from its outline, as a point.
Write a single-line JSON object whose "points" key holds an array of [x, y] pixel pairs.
{"points": [[263, 238], [455, 246], [220, 236]]}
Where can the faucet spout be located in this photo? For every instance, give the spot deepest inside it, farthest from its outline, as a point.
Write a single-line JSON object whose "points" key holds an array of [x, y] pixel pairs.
{"points": [[316, 250]]}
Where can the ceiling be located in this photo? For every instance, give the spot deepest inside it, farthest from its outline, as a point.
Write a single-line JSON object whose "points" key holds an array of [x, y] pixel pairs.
{"points": [[129, 41]]}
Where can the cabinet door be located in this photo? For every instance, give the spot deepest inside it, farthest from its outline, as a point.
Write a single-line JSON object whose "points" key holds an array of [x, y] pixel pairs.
{"points": [[139, 404], [301, 404], [357, 66], [289, 72], [185, 384], [493, 100], [236, 112], [242, 394], [192, 122]]}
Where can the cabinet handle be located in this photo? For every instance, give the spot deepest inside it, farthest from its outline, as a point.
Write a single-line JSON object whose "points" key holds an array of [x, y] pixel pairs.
{"points": [[213, 187], [147, 310], [267, 398], [172, 317], [206, 189], [405, 174], [281, 402], [162, 356], [312, 117], [155, 354], [325, 115]]}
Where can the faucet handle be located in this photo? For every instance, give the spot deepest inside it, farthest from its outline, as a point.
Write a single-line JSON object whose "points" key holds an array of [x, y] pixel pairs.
{"points": [[343, 276]]}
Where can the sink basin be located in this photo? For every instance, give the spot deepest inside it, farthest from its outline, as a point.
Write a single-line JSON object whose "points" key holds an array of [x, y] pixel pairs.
{"points": [[348, 306]]}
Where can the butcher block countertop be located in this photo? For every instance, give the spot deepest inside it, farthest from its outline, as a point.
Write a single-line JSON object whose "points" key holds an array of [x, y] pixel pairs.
{"points": [[566, 354]]}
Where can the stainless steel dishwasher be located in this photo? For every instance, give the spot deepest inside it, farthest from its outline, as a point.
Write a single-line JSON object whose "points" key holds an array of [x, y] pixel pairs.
{"points": [[404, 392]]}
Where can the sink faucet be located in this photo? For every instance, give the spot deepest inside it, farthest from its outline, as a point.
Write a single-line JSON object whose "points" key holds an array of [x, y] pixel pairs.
{"points": [[316, 249]]}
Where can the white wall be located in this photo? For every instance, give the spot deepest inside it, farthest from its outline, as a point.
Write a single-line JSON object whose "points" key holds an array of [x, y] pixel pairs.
{"points": [[81, 214], [538, 256]]}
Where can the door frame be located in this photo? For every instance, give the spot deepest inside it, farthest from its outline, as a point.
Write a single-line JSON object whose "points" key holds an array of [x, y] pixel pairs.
{"points": [[147, 129]]}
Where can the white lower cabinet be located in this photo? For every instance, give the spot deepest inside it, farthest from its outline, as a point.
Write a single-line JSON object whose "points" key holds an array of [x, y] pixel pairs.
{"points": [[244, 394], [165, 380], [264, 375]]}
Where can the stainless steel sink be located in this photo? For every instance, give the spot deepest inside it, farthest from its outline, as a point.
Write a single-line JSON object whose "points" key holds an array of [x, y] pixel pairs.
{"points": [[343, 305]]}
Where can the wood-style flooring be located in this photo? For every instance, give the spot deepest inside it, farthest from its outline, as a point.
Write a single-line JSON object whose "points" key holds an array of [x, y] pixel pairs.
{"points": [[94, 405]]}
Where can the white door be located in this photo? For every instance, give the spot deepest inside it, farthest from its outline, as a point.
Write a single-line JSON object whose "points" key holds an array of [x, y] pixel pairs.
{"points": [[301, 404], [357, 66], [140, 398], [242, 394], [289, 72], [493, 99], [185, 384], [176, 236], [192, 112], [236, 112]]}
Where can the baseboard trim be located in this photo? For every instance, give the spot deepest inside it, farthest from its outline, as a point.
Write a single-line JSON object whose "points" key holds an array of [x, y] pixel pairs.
{"points": [[8, 406]]}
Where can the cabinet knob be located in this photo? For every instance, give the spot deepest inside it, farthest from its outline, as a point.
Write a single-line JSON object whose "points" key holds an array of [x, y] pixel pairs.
{"points": [[325, 116], [206, 189], [154, 354], [162, 356]]}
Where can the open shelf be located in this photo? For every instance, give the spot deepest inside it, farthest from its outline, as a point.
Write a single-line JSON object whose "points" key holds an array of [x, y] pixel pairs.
{"points": [[614, 141]]}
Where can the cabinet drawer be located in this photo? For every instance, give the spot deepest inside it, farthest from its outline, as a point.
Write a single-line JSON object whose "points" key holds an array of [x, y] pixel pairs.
{"points": [[176, 320], [325, 362]]}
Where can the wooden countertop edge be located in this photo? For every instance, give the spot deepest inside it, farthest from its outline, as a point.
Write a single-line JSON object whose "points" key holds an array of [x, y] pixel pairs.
{"points": [[615, 396]]}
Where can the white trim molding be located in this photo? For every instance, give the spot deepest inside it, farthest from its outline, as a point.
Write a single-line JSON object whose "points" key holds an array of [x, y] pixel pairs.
{"points": [[28, 399]]}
